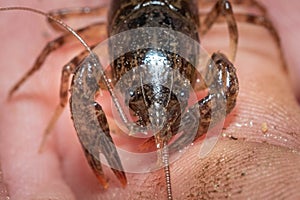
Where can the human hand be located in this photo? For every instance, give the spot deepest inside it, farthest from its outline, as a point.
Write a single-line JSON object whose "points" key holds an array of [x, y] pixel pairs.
{"points": [[257, 164]]}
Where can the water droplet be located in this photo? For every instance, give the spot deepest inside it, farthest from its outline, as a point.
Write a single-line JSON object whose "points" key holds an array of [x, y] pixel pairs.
{"points": [[238, 125], [251, 123]]}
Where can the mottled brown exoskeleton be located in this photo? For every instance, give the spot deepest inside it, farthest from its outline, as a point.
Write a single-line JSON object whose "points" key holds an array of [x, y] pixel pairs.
{"points": [[150, 100]]}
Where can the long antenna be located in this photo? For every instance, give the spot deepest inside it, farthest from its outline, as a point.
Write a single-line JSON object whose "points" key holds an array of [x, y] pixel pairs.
{"points": [[72, 31], [61, 23], [166, 163]]}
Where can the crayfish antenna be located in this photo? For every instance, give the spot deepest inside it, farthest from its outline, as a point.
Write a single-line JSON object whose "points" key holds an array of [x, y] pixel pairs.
{"points": [[56, 20], [163, 154]]}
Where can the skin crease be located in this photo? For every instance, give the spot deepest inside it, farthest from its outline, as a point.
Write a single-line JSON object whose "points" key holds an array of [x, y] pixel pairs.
{"points": [[257, 165]]}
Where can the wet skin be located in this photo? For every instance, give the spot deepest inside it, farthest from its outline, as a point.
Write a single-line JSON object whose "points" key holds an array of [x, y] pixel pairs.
{"points": [[257, 164]]}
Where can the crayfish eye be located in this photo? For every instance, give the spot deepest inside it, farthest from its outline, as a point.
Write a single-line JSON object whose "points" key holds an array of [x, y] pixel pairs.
{"points": [[182, 93], [131, 93]]}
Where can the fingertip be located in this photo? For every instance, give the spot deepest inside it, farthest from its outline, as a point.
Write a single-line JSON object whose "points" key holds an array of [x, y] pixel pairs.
{"points": [[286, 19]]}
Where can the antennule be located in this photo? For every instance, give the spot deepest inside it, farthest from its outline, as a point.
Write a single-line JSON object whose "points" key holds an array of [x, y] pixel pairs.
{"points": [[56, 20]]}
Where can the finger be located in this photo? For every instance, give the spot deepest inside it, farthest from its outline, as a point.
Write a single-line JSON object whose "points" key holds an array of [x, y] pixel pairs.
{"points": [[238, 170], [254, 92], [27, 174], [285, 16], [265, 100]]}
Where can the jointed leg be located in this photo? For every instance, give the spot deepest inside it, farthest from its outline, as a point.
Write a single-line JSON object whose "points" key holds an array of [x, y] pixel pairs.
{"points": [[69, 13], [86, 33], [260, 20], [256, 20], [264, 22], [222, 9], [248, 3]]}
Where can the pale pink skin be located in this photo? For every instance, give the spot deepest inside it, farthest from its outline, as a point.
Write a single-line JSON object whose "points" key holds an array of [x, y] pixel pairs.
{"points": [[270, 161]]}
